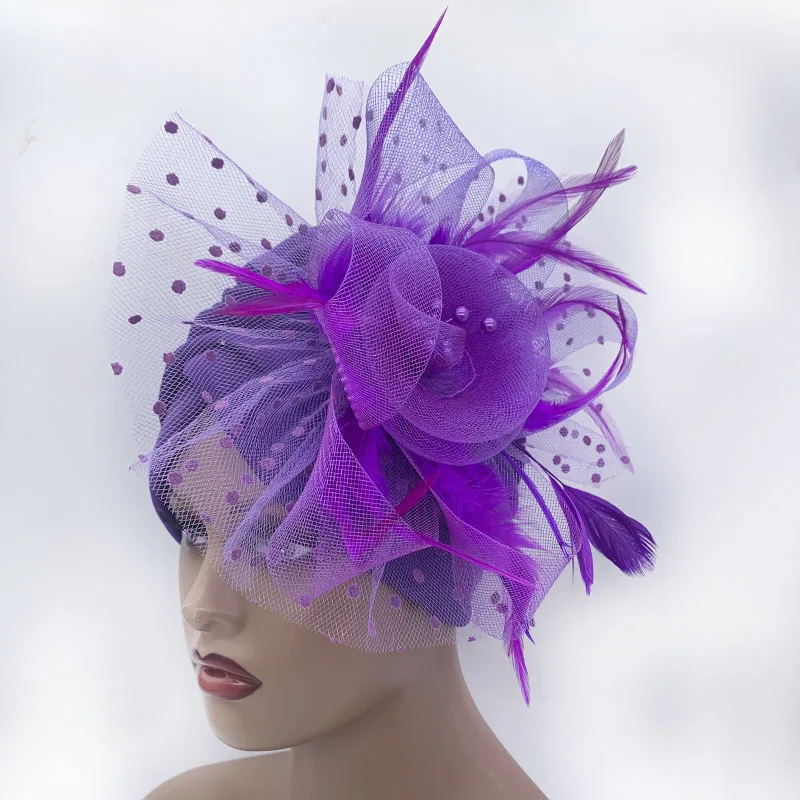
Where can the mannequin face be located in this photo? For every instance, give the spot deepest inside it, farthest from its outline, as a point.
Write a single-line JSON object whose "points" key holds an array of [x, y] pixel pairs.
{"points": [[309, 685]]}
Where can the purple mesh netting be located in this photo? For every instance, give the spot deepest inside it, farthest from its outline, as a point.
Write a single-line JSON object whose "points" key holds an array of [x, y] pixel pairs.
{"points": [[376, 445]]}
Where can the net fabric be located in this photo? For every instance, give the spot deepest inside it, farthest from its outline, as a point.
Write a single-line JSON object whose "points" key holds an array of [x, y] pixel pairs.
{"points": [[367, 424]]}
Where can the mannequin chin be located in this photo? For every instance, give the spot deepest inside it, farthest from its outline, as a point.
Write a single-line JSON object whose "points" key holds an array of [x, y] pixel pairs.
{"points": [[310, 685]]}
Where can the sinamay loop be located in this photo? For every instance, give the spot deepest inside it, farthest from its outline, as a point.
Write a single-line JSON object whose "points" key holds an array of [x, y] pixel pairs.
{"points": [[373, 425]]}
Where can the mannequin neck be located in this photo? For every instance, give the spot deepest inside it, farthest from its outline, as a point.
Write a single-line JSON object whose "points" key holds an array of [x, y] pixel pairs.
{"points": [[426, 740]]}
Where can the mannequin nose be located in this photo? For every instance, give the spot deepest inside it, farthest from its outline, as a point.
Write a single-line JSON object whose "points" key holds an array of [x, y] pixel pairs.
{"points": [[212, 606]]}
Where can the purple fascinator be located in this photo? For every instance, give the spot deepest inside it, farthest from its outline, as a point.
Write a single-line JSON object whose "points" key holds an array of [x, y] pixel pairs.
{"points": [[376, 423]]}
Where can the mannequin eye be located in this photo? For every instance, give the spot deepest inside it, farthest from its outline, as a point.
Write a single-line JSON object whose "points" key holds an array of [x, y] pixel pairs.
{"points": [[194, 531]]}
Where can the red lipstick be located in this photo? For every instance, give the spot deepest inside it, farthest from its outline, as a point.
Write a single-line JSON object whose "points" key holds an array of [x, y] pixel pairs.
{"points": [[223, 678]]}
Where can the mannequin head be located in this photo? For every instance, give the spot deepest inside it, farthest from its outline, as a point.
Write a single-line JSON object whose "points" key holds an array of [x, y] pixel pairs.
{"points": [[310, 685]]}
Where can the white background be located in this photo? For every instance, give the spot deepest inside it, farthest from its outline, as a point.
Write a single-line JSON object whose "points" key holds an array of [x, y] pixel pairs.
{"points": [[682, 683]]}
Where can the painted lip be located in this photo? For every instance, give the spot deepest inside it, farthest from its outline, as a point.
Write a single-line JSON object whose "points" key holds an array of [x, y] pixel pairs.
{"points": [[223, 678]]}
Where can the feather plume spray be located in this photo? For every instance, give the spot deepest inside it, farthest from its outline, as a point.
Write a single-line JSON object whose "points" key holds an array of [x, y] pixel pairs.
{"points": [[621, 539]]}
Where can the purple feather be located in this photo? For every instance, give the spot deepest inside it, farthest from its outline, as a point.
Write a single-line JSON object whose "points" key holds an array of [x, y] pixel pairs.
{"points": [[578, 530], [620, 538], [517, 656], [287, 298], [477, 495], [373, 162]]}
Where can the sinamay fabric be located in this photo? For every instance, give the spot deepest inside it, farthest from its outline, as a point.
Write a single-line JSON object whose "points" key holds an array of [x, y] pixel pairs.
{"points": [[376, 424]]}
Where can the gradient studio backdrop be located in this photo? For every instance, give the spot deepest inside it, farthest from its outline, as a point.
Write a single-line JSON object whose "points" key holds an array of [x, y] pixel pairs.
{"points": [[684, 682]]}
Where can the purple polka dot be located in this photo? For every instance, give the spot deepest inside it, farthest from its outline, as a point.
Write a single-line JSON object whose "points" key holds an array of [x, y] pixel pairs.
{"points": [[324, 112], [329, 86], [323, 139], [135, 318], [157, 235], [586, 371], [520, 180], [205, 518], [318, 194], [563, 431], [587, 440], [495, 598], [354, 590], [234, 247], [356, 122], [373, 631], [501, 198], [370, 115], [175, 477], [565, 468], [435, 622], [225, 442], [211, 355], [236, 429], [343, 189], [220, 405], [501, 608], [601, 448], [595, 477], [133, 188], [159, 407], [625, 460], [206, 396], [418, 575], [338, 90], [232, 497], [601, 462], [351, 174], [117, 367], [289, 220], [119, 269], [278, 447], [169, 358], [178, 286], [323, 165], [343, 140], [170, 127], [191, 465], [261, 197], [305, 601], [236, 553], [217, 163], [215, 250], [265, 379], [247, 479], [395, 601], [556, 460], [266, 244], [302, 229], [267, 463], [299, 431], [288, 506], [172, 179], [471, 639], [219, 213]]}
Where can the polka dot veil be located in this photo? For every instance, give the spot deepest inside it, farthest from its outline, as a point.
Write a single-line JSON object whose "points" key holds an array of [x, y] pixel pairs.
{"points": [[376, 424]]}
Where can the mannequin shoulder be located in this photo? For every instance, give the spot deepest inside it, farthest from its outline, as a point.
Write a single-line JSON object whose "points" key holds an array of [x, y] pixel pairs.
{"points": [[262, 777]]}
